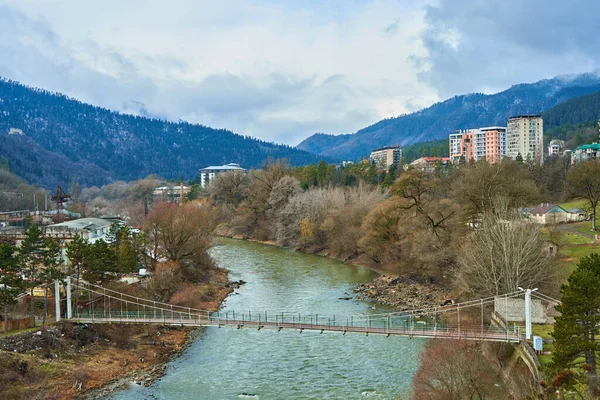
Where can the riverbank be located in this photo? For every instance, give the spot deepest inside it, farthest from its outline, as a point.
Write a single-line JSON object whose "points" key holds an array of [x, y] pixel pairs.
{"points": [[79, 361], [387, 288]]}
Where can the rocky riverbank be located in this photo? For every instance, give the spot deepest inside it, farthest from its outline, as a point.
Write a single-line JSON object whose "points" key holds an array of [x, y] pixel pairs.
{"points": [[387, 289], [401, 293]]}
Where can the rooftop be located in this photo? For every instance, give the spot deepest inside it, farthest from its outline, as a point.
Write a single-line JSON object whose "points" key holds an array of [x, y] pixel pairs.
{"points": [[526, 116], [593, 146], [397, 146], [431, 159], [543, 208], [84, 224], [226, 167]]}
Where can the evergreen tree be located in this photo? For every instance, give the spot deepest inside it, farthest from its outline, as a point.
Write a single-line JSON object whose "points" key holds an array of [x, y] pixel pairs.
{"points": [[393, 172], [387, 181], [77, 252], [32, 255], [101, 263], [372, 175], [576, 329], [11, 281], [51, 271], [321, 173]]}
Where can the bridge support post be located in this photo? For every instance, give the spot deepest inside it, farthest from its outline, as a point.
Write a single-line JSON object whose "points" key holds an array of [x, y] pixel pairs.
{"points": [[57, 299], [528, 311], [69, 302]]}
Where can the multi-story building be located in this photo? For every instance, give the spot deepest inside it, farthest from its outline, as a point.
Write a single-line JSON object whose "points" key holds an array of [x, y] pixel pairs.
{"points": [[385, 157], [525, 137], [208, 174], [488, 143], [555, 146], [585, 152]]}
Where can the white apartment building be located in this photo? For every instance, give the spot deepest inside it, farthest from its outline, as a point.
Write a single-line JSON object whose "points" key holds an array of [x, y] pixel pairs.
{"points": [[386, 156], [555, 147], [525, 137], [208, 174]]}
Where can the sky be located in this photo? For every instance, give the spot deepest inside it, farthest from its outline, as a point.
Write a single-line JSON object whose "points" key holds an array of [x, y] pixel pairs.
{"points": [[283, 70]]}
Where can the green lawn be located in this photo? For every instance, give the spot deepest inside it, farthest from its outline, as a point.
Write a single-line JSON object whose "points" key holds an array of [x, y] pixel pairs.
{"points": [[544, 332], [570, 238], [575, 204], [578, 251]]}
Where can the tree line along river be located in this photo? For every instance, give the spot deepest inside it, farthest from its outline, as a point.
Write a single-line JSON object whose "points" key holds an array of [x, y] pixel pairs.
{"points": [[229, 363]]}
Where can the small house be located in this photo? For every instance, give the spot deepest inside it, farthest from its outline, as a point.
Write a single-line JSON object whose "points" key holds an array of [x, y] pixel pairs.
{"points": [[576, 214], [547, 213]]}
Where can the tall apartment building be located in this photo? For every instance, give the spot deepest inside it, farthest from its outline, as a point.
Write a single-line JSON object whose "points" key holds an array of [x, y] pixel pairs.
{"points": [[488, 143], [386, 156], [525, 137]]}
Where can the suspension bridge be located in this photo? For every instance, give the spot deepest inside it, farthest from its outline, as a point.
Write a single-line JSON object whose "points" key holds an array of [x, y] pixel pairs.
{"points": [[487, 319]]}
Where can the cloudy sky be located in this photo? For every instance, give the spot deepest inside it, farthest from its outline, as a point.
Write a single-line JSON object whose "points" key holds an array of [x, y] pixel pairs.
{"points": [[281, 70]]}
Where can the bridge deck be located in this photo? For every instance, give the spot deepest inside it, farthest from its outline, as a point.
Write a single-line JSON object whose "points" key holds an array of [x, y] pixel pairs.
{"points": [[463, 334]]}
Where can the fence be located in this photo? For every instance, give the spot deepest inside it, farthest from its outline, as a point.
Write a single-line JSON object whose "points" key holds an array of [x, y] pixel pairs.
{"points": [[20, 323]]}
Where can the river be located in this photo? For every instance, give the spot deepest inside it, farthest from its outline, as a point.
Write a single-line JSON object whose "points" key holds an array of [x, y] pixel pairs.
{"points": [[228, 363]]}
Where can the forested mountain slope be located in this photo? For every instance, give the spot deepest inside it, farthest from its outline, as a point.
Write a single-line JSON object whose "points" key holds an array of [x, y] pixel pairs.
{"points": [[460, 112], [64, 138]]}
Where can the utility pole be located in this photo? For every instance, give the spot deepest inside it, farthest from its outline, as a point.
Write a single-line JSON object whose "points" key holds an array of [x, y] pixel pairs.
{"points": [[528, 311]]}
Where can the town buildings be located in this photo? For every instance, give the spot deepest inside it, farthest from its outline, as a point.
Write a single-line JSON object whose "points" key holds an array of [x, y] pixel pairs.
{"points": [[525, 138], [430, 164], [488, 143], [522, 137], [386, 156], [585, 152], [171, 194], [555, 147], [208, 174]]}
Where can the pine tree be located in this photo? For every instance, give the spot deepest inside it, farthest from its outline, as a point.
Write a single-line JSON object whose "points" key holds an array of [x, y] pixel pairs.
{"points": [[101, 263], [51, 272], [31, 256], [576, 329], [11, 281], [321, 172], [77, 252]]}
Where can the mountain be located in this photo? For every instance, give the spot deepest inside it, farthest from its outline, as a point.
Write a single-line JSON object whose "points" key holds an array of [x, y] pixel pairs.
{"points": [[48, 139], [459, 112], [576, 111]]}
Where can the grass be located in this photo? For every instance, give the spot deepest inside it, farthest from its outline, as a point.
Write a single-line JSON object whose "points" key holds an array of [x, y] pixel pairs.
{"points": [[544, 332], [570, 238], [580, 250], [18, 331], [575, 204]]}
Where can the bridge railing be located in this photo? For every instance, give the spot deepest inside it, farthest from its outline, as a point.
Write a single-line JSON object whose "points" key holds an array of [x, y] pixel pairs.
{"points": [[382, 325]]}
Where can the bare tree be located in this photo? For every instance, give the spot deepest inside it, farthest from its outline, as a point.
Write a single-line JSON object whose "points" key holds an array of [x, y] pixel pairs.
{"points": [[502, 255], [228, 188], [456, 372], [183, 234], [583, 182], [481, 186]]}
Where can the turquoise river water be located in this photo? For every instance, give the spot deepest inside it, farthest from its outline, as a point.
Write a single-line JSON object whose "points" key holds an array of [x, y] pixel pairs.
{"points": [[229, 363]]}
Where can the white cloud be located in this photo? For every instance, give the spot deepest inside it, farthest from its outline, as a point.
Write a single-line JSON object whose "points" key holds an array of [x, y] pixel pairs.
{"points": [[275, 70], [282, 69], [489, 45]]}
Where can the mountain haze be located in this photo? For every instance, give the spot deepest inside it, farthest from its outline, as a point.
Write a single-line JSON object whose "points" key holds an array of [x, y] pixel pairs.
{"points": [[459, 112], [64, 138]]}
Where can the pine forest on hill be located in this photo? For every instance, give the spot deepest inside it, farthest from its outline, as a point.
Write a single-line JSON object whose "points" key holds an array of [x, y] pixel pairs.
{"points": [[64, 138]]}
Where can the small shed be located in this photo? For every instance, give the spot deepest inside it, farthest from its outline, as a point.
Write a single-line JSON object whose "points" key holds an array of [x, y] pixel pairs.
{"points": [[576, 214]]}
